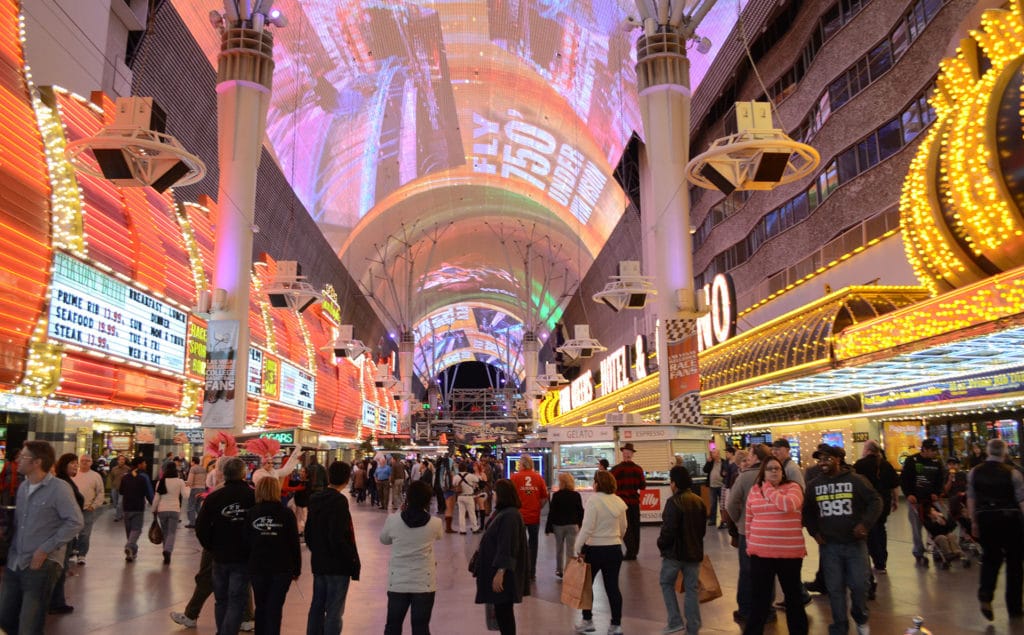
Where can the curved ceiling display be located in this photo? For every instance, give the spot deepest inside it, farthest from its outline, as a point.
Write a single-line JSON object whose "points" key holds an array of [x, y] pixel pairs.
{"points": [[458, 154]]}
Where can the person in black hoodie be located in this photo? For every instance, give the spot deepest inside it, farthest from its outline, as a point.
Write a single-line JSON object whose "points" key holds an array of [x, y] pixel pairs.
{"points": [[922, 479], [334, 558], [840, 507], [272, 538], [220, 528], [136, 491]]}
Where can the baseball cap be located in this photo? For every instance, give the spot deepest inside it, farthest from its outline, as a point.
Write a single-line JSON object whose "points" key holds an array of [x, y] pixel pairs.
{"points": [[929, 444], [780, 443], [828, 450]]}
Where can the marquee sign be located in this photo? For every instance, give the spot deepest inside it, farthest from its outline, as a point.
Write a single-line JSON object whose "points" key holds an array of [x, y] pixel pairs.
{"points": [[719, 323], [100, 313], [297, 387]]}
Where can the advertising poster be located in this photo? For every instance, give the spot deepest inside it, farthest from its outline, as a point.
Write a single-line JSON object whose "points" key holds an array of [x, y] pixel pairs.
{"points": [[221, 352]]}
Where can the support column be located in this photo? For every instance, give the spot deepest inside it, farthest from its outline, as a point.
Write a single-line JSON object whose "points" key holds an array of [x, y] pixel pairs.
{"points": [[406, 346], [531, 348], [663, 83], [244, 73]]}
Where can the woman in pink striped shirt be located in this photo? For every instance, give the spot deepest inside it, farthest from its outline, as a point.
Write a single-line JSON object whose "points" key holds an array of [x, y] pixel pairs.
{"points": [[775, 544]]}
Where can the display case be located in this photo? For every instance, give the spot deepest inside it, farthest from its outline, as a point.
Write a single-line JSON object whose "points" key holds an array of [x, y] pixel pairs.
{"points": [[580, 460]]}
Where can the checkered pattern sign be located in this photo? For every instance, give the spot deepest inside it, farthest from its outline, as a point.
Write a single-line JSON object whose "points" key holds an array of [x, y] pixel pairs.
{"points": [[684, 408]]}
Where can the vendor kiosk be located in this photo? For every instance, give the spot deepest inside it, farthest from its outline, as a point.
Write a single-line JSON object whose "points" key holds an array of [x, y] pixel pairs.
{"points": [[577, 450]]}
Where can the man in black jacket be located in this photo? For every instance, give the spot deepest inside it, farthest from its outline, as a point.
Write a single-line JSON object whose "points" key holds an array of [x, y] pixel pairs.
{"points": [[681, 543], [136, 491], [220, 528], [333, 555], [995, 502], [921, 480]]}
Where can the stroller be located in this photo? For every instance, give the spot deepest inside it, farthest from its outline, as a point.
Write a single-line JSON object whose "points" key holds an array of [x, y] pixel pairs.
{"points": [[943, 542]]}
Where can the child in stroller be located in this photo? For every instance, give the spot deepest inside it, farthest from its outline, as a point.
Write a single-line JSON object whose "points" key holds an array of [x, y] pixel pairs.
{"points": [[941, 528]]}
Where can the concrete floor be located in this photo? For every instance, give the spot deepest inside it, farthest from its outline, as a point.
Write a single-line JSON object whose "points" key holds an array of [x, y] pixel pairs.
{"points": [[110, 595]]}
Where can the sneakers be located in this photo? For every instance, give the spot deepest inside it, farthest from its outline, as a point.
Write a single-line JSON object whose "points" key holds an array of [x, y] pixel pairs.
{"points": [[247, 627], [129, 555], [81, 561], [585, 626], [669, 630], [184, 620], [615, 629], [863, 629], [921, 561]]}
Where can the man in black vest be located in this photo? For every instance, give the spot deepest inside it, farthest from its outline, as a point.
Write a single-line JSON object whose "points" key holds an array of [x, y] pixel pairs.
{"points": [[995, 501]]}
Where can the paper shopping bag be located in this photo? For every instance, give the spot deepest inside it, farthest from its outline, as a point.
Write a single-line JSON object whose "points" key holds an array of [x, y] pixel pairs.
{"points": [[707, 582], [577, 587]]}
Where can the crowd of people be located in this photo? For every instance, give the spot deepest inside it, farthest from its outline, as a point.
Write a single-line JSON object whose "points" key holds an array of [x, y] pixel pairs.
{"points": [[252, 519]]}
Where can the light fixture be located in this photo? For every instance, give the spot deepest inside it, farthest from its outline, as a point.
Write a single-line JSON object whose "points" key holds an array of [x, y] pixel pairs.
{"points": [[628, 290], [345, 346], [582, 345], [383, 378], [135, 151], [758, 157], [289, 289]]}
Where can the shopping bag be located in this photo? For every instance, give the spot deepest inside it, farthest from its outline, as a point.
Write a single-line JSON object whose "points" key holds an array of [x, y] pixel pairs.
{"points": [[156, 534], [707, 582], [491, 618], [577, 587]]}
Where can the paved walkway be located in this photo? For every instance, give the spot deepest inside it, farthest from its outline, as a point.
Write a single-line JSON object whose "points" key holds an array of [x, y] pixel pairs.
{"points": [[112, 596]]}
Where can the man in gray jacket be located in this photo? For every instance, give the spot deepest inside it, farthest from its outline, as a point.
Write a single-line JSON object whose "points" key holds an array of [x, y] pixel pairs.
{"points": [[47, 517], [736, 507]]}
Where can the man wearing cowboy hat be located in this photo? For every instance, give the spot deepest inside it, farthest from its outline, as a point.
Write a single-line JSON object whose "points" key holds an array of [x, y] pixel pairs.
{"points": [[629, 480]]}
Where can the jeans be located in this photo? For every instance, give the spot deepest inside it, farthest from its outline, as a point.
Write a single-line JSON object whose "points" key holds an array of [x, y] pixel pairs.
{"points": [[846, 566], [878, 543], [25, 597], [169, 523], [506, 616], [327, 605], [716, 500], [204, 588], [230, 588], [632, 536], [269, 592], [89, 516], [606, 560], [744, 585], [691, 603], [565, 543], [1001, 538], [193, 504], [914, 516], [765, 570], [132, 530], [467, 507], [422, 605], [396, 492], [57, 599], [115, 502], [532, 536]]}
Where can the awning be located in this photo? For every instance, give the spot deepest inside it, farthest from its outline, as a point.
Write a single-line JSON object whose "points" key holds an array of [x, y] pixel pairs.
{"points": [[799, 342]]}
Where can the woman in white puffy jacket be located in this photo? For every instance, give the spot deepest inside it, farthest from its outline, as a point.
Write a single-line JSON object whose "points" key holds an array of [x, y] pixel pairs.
{"points": [[600, 542]]}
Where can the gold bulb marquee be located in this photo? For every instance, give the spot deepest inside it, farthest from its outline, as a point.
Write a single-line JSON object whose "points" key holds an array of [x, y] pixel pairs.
{"points": [[962, 201]]}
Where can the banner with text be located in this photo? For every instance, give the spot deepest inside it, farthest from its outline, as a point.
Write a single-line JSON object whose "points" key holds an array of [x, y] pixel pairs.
{"points": [[221, 352]]}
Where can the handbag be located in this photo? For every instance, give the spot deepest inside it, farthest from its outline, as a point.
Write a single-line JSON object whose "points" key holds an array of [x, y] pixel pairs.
{"points": [[491, 618], [577, 585], [708, 587], [156, 534]]}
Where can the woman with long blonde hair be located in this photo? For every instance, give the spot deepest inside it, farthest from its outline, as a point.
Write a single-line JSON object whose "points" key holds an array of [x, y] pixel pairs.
{"points": [[564, 519]]}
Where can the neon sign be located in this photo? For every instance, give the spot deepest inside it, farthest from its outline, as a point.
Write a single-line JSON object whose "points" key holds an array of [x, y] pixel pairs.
{"points": [[719, 324]]}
